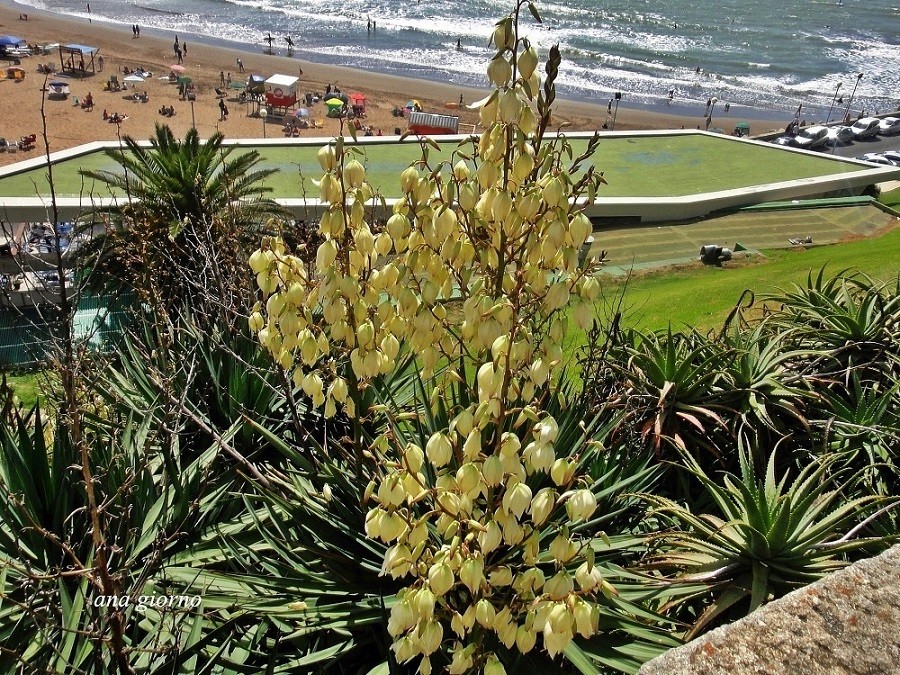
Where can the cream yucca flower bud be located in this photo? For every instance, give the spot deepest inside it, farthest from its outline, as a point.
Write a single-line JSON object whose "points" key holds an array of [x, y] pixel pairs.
{"points": [[472, 447], [517, 499], [499, 71], [559, 586], [401, 619], [404, 649], [327, 158], [590, 288], [493, 666], [525, 639], [440, 578], [580, 228], [557, 296], [354, 173], [510, 106], [439, 449], [259, 261], [487, 114], [461, 170], [409, 179], [485, 613], [468, 478], [581, 505], [373, 523], [527, 118], [523, 165], [490, 538], [562, 471], [415, 458], [528, 61], [398, 226], [542, 506], [563, 549], [553, 192], [256, 322], [330, 189], [502, 576], [471, 573], [461, 661], [587, 618], [504, 37], [430, 636], [588, 576], [492, 471], [509, 444]]}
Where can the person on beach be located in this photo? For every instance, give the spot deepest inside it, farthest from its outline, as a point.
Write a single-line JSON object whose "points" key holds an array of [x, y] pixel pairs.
{"points": [[240, 65], [89, 12], [368, 25], [184, 48], [100, 61], [222, 77], [228, 79], [458, 44], [609, 107], [133, 31], [223, 110], [138, 30]]}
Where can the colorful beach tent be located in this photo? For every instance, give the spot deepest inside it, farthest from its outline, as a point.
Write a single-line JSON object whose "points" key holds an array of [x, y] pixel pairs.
{"points": [[358, 101], [334, 106], [10, 41]]}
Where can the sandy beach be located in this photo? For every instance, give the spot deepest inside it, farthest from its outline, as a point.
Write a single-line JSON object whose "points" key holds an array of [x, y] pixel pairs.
{"points": [[69, 125]]}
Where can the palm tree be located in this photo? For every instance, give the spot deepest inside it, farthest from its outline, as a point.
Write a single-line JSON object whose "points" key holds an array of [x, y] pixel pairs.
{"points": [[190, 209]]}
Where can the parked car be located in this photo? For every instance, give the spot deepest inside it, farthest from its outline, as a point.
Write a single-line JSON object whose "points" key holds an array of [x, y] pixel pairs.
{"points": [[811, 137], [889, 126], [893, 155], [787, 141], [877, 158], [865, 127], [840, 135]]}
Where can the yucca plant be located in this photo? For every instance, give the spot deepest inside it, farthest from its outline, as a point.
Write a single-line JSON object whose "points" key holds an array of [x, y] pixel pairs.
{"points": [[766, 536]]}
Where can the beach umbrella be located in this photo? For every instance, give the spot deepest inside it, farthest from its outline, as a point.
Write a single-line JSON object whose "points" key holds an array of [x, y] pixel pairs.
{"points": [[301, 112], [132, 78], [177, 68]]}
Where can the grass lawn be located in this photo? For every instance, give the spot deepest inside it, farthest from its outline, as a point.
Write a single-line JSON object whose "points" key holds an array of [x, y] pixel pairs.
{"points": [[891, 198], [27, 387], [663, 165], [702, 296]]}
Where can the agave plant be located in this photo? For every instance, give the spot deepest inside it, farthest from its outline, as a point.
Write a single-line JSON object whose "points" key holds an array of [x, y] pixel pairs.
{"points": [[672, 385], [766, 536], [853, 321]]}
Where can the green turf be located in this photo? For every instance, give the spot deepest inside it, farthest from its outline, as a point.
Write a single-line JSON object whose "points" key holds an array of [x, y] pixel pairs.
{"points": [[702, 296], [26, 387], [664, 165], [891, 198]]}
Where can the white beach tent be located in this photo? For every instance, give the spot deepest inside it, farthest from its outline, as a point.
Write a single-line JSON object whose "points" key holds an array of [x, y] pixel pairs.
{"points": [[281, 91]]}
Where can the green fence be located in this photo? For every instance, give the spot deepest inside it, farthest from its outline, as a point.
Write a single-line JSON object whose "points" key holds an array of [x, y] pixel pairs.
{"points": [[28, 335]]}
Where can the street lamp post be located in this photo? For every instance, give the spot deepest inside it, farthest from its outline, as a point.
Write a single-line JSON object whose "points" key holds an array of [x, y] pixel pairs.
{"points": [[712, 107], [833, 99], [616, 112], [191, 97], [852, 94], [263, 113]]}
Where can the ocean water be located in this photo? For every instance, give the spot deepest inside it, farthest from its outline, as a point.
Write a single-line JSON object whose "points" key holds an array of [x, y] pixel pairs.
{"points": [[762, 54]]}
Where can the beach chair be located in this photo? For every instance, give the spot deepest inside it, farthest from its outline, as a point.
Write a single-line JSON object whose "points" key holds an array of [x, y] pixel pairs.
{"points": [[220, 93]]}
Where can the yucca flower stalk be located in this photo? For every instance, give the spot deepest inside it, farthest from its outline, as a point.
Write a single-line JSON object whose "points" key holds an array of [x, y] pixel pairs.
{"points": [[463, 510]]}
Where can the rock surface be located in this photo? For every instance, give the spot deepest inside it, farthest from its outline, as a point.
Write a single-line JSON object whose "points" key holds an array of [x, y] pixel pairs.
{"points": [[847, 624]]}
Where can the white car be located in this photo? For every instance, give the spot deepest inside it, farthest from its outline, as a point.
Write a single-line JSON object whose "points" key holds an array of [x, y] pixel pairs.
{"points": [[889, 126], [840, 135], [811, 137], [865, 127], [893, 155], [877, 158]]}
